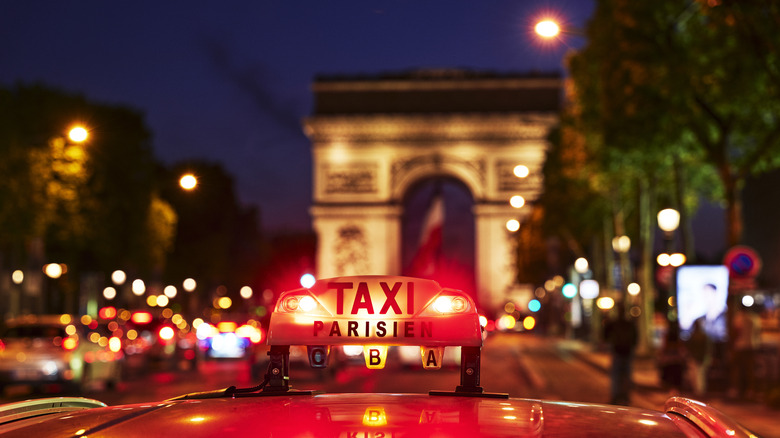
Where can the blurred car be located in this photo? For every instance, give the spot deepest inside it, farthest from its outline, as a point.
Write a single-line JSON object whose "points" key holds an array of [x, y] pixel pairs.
{"points": [[58, 350], [159, 342], [228, 339], [424, 314]]}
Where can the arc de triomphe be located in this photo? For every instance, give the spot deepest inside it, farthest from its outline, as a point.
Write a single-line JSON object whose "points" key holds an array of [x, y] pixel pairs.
{"points": [[374, 137]]}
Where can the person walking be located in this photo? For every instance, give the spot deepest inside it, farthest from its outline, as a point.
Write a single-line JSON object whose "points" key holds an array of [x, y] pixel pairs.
{"points": [[747, 339], [622, 335], [673, 361]]}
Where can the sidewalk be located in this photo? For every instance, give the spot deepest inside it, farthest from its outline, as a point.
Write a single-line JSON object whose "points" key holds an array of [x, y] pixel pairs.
{"points": [[758, 417]]}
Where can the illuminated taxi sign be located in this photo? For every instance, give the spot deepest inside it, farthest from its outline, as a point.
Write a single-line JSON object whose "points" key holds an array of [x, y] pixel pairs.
{"points": [[375, 311]]}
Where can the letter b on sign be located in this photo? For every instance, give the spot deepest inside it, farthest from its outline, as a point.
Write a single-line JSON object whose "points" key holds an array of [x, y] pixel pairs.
{"points": [[375, 356]]}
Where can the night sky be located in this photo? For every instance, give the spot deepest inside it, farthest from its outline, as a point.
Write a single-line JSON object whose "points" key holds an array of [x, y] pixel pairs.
{"points": [[229, 82]]}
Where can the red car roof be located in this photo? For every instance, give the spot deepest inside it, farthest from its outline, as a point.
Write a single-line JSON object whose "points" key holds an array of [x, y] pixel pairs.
{"points": [[354, 415]]}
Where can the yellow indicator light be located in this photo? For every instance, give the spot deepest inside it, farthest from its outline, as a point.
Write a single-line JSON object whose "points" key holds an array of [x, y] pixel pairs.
{"points": [[375, 355], [227, 326], [432, 357], [375, 416]]}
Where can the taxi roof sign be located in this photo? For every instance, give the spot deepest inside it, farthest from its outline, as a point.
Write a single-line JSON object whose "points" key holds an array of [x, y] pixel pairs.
{"points": [[375, 310]]}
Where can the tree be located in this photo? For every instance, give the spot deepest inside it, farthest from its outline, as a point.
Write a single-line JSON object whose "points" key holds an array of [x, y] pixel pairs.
{"points": [[217, 240], [91, 205], [688, 84]]}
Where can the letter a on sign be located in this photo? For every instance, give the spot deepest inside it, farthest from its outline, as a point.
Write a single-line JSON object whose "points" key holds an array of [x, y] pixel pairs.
{"points": [[432, 357]]}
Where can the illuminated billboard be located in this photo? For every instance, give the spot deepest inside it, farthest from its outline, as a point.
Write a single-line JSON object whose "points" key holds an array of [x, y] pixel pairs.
{"points": [[701, 299]]}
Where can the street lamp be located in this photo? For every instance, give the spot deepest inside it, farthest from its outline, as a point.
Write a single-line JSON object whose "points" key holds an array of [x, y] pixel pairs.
{"points": [[547, 29], [188, 181], [668, 220], [78, 134]]}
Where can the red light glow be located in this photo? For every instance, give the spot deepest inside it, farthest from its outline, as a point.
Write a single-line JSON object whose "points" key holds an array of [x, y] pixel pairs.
{"points": [[107, 312]]}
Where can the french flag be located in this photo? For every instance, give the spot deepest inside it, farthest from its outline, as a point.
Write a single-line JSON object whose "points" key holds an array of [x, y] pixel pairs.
{"points": [[424, 263]]}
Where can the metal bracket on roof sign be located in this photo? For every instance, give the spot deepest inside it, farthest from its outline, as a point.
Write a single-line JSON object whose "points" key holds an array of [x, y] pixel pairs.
{"points": [[469, 376], [278, 373]]}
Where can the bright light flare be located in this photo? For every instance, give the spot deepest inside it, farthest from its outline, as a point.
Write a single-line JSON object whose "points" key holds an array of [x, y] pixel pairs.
{"points": [[70, 343], [513, 225], [118, 277], [307, 304], [170, 291], [189, 284], [115, 344], [78, 134], [448, 304], [188, 181], [517, 201], [521, 171], [605, 303], [53, 270], [224, 303], [307, 280], [547, 29], [581, 265], [138, 287], [166, 333]]}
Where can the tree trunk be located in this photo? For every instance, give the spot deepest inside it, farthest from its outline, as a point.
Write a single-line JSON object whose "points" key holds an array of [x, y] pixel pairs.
{"points": [[646, 267], [733, 188]]}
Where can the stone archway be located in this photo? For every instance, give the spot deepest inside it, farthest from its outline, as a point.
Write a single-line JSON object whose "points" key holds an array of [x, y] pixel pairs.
{"points": [[373, 138]]}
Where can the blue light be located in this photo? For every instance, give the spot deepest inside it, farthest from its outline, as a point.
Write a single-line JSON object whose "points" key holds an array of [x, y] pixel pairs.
{"points": [[534, 305], [307, 280], [569, 290]]}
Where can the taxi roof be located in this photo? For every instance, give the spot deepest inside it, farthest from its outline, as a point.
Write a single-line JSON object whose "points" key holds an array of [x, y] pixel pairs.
{"points": [[370, 415]]}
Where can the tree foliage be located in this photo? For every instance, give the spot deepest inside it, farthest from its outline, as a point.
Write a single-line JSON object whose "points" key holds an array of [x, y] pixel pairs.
{"points": [[217, 240], [90, 204], [683, 93]]}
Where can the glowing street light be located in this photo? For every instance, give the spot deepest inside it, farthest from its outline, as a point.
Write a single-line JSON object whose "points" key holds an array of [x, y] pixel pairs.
{"points": [[78, 134], [53, 270], [621, 244], [581, 265], [138, 287], [188, 181], [668, 220], [118, 277], [189, 284], [521, 171], [547, 29]]}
